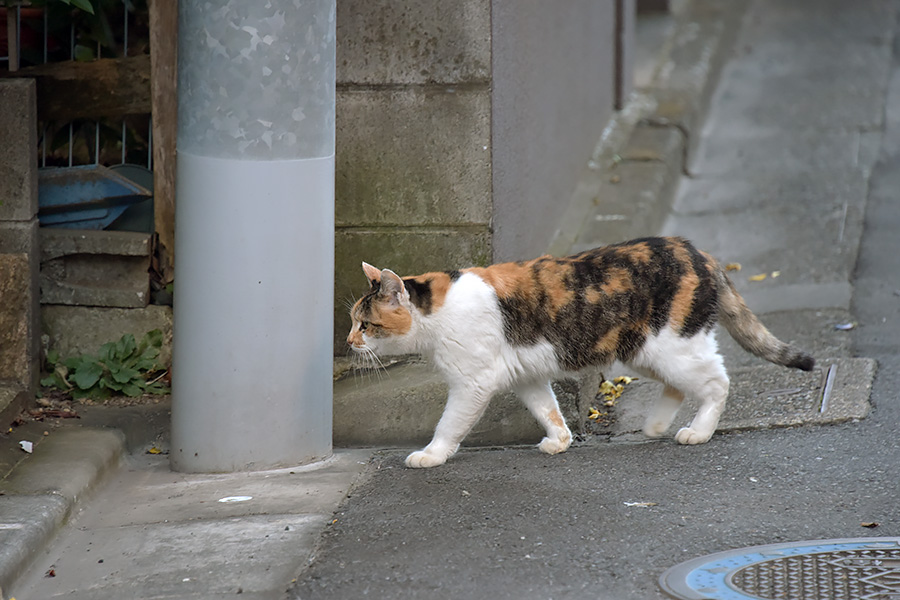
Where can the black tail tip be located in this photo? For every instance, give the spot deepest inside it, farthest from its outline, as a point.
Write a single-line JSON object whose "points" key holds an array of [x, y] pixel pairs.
{"points": [[804, 362]]}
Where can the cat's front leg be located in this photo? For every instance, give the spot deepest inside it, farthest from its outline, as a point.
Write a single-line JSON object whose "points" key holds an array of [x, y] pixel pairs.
{"points": [[464, 408], [541, 402]]}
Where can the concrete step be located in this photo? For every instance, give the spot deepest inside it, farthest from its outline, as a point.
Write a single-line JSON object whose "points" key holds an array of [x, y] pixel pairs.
{"points": [[764, 397]]}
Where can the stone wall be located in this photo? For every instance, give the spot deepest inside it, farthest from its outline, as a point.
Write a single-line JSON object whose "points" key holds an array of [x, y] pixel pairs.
{"points": [[461, 129], [19, 255]]}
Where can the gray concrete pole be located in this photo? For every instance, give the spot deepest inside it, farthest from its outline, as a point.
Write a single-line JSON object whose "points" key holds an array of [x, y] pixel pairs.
{"points": [[254, 235]]}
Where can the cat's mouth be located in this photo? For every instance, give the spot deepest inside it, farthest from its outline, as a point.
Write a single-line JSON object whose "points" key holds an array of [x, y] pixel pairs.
{"points": [[366, 358]]}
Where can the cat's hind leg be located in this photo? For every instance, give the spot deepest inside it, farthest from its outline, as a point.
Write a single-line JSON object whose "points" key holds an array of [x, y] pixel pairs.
{"points": [[693, 367], [713, 392], [541, 402], [663, 412], [464, 408]]}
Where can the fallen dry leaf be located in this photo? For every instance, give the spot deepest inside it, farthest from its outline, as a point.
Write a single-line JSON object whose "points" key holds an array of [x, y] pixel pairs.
{"points": [[869, 524], [733, 267], [39, 414], [759, 277]]}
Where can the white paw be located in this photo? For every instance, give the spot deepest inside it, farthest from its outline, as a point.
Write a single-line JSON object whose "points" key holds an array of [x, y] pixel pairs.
{"points": [[654, 430], [686, 435], [555, 446], [423, 460]]}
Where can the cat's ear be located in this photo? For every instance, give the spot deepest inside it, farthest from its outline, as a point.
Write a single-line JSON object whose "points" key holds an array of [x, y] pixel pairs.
{"points": [[392, 288], [372, 274]]}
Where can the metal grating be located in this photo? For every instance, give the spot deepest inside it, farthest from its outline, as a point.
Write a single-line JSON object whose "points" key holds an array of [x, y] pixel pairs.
{"points": [[856, 569], [847, 575]]}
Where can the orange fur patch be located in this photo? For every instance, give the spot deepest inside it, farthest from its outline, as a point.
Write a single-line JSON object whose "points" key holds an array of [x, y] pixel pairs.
{"points": [[506, 278], [552, 276], [518, 279], [683, 300], [637, 252], [397, 321], [556, 418], [355, 338], [609, 343], [619, 281]]}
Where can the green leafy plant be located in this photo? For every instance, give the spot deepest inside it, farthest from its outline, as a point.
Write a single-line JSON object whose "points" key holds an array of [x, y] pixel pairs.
{"points": [[121, 367]]}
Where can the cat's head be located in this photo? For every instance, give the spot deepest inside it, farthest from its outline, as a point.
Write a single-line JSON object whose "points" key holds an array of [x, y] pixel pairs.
{"points": [[383, 319]]}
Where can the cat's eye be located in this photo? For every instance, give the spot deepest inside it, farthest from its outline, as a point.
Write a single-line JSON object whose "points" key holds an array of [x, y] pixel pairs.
{"points": [[363, 325]]}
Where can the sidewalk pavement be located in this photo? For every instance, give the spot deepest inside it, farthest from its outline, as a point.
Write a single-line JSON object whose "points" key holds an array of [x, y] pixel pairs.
{"points": [[776, 180], [93, 514]]}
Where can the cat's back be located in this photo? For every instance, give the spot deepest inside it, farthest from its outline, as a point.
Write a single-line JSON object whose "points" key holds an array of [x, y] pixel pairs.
{"points": [[633, 266], [605, 301]]}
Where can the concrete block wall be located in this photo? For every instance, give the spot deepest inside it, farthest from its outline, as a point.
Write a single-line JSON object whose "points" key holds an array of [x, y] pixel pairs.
{"points": [[95, 268], [413, 168], [19, 252], [461, 129]]}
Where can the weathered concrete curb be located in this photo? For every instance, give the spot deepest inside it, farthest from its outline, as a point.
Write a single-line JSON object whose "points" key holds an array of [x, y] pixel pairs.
{"points": [[626, 191], [401, 405], [765, 396], [41, 493]]}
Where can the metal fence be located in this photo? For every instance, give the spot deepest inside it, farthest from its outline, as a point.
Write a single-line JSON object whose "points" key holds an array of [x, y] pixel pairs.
{"points": [[77, 142]]}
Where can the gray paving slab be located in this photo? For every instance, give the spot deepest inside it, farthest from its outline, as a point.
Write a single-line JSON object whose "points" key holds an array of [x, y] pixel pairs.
{"points": [[778, 84], [810, 62], [801, 20], [764, 396], [801, 246], [811, 329], [767, 150], [68, 464], [857, 102], [27, 524], [150, 533], [731, 194]]}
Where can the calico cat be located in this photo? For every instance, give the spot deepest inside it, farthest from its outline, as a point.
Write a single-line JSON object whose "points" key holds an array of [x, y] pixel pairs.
{"points": [[650, 303]]}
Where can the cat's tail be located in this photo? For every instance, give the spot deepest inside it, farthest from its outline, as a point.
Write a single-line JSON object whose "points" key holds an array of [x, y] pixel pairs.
{"points": [[751, 334]]}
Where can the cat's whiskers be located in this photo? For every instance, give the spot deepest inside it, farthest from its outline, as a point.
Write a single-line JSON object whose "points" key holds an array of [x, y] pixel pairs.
{"points": [[368, 363]]}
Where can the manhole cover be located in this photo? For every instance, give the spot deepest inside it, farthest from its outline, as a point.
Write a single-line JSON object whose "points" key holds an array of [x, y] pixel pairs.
{"points": [[847, 569]]}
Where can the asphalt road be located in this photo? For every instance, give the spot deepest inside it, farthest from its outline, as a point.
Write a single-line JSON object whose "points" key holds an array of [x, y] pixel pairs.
{"points": [[605, 520]]}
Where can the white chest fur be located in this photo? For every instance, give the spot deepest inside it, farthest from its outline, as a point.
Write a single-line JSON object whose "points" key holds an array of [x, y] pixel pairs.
{"points": [[467, 341]]}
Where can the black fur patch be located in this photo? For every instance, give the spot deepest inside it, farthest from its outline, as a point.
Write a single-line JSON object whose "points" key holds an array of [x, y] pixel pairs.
{"points": [[705, 306], [801, 361], [419, 294], [640, 306]]}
